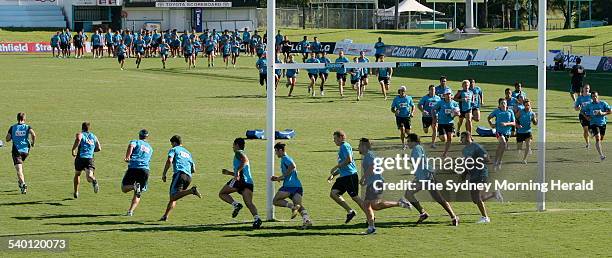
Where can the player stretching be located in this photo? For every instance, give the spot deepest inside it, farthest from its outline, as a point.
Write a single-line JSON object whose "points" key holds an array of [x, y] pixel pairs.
{"points": [[138, 157], [403, 108], [23, 138], [597, 112], [444, 113], [242, 183], [581, 102], [426, 105], [348, 181], [524, 118], [466, 100], [504, 121], [312, 73], [423, 173], [373, 183], [85, 144], [292, 187], [384, 77], [182, 164], [478, 176]]}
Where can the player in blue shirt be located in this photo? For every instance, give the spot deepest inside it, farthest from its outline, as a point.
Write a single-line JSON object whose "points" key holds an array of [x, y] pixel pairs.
{"points": [[465, 98], [384, 77], [504, 121], [478, 174], [85, 144], [241, 183], [444, 113], [373, 182], [188, 53], [163, 52], [69, 37], [478, 100], [510, 101], [316, 46], [581, 102], [128, 40], [235, 45], [263, 70], [227, 52], [148, 39], [175, 44], [524, 119], [55, 44], [426, 106], [341, 72], [356, 79], [305, 47], [403, 108], [424, 173], [518, 90], [96, 44], [291, 75], [210, 45], [139, 47], [182, 164], [364, 71], [116, 39], [596, 112], [313, 74], [292, 187], [136, 178], [278, 73], [379, 50], [348, 181], [156, 38], [323, 72], [63, 40], [23, 138], [121, 53], [440, 89], [278, 39]]}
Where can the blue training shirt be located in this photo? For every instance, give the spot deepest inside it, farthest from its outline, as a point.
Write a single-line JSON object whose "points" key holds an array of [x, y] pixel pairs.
{"points": [[246, 169], [20, 136], [342, 60], [503, 117], [428, 104], [87, 145], [403, 104], [524, 120], [444, 111], [181, 160], [590, 110], [345, 152], [141, 154], [291, 177]]}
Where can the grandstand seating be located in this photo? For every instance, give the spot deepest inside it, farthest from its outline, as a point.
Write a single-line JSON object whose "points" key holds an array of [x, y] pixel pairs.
{"points": [[32, 16]]}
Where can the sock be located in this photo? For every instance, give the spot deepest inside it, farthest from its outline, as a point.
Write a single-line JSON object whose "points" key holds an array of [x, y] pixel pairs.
{"points": [[289, 205], [351, 211], [256, 217], [235, 203]]}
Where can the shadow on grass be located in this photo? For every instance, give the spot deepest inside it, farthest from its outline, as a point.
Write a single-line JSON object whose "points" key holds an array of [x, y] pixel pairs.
{"points": [[51, 202], [571, 38], [515, 38], [235, 97], [64, 216], [99, 223], [199, 73]]}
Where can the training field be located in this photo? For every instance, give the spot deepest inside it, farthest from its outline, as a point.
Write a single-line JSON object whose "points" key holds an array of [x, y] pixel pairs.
{"points": [[209, 107]]}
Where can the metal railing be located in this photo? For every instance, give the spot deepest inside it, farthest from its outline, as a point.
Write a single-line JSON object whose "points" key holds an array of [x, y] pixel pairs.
{"points": [[602, 49]]}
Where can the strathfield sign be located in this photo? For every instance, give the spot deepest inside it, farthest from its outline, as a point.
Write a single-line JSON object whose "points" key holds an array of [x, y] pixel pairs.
{"points": [[193, 4]]}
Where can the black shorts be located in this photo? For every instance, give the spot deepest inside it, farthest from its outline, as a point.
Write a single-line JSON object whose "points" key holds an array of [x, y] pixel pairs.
{"points": [[180, 182], [109, 45], [583, 120], [236, 53], [521, 137], [341, 77], [18, 157], [259, 55], [576, 87], [443, 129], [506, 136], [262, 79], [154, 45], [463, 113], [402, 122], [364, 76], [97, 47], [63, 45], [324, 76], [81, 164], [353, 82], [136, 175], [78, 44], [427, 121], [384, 80], [240, 185], [313, 75], [226, 55], [120, 58], [598, 129], [347, 184], [372, 194], [377, 56]]}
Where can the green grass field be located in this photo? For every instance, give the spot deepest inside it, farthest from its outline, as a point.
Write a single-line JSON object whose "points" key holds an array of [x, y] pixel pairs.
{"points": [[210, 107]]}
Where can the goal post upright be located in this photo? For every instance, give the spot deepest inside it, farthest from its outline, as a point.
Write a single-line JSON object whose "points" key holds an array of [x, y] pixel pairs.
{"points": [[541, 196], [270, 106]]}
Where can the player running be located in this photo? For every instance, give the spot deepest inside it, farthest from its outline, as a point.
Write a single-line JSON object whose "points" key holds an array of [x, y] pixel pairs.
{"points": [[524, 119], [292, 187], [138, 157], [313, 74], [384, 77], [518, 90], [348, 181], [478, 176], [139, 46], [577, 73], [85, 144], [403, 108], [426, 106], [163, 52], [23, 138], [291, 75], [183, 166], [424, 173], [210, 51], [341, 72], [442, 87], [373, 181], [188, 53], [364, 71], [263, 70], [444, 113], [121, 53], [504, 121], [478, 100], [596, 112], [235, 45], [465, 98], [323, 72], [226, 48], [242, 183], [379, 50], [356, 79], [581, 102]]}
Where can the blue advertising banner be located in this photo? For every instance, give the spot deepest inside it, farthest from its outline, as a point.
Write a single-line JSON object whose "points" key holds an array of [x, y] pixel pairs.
{"points": [[198, 19]]}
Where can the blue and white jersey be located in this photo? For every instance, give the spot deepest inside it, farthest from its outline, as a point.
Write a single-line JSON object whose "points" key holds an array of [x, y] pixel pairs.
{"points": [[246, 169], [428, 104], [342, 60], [182, 160], [593, 108], [403, 104], [20, 135], [345, 152], [503, 117], [291, 177], [444, 111], [141, 154], [477, 92], [87, 145], [524, 120]]}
